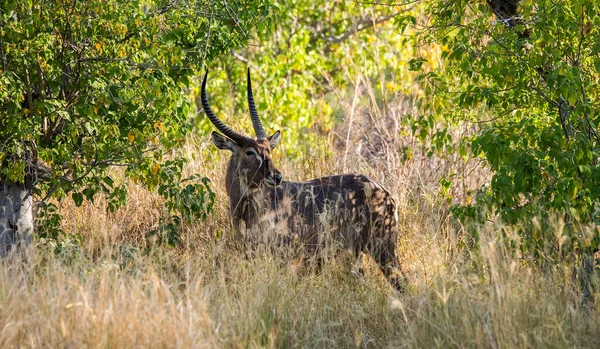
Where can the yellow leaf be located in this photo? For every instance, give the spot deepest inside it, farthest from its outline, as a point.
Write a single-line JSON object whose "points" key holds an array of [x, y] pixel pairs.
{"points": [[98, 46], [131, 137], [159, 125], [155, 169], [26, 111]]}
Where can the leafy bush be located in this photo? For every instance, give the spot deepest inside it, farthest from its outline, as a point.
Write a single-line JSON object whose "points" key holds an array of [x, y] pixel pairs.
{"points": [[186, 201], [535, 74], [86, 86]]}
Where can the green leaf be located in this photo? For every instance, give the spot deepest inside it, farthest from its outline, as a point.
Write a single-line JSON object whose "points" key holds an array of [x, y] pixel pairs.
{"points": [[416, 64], [77, 198]]}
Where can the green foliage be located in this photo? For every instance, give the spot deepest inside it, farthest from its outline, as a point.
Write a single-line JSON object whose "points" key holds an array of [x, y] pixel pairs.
{"points": [[538, 81], [308, 65], [48, 223], [186, 201], [87, 85], [52, 238]]}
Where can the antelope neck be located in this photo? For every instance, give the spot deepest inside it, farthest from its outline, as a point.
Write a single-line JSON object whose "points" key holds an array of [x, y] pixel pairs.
{"points": [[237, 188]]}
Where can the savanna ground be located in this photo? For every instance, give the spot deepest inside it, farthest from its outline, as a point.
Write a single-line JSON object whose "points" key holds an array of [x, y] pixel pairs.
{"points": [[111, 286]]}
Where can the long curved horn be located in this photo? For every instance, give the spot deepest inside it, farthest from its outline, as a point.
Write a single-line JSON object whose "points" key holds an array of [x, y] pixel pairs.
{"points": [[227, 131], [258, 127]]}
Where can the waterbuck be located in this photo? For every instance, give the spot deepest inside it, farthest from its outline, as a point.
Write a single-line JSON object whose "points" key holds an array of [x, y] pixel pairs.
{"points": [[349, 211]]}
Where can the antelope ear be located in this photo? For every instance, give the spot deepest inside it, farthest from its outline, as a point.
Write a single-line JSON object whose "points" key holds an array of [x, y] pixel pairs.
{"points": [[223, 142], [274, 139]]}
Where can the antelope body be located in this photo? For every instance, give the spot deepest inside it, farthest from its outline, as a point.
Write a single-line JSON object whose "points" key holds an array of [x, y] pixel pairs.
{"points": [[349, 211]]}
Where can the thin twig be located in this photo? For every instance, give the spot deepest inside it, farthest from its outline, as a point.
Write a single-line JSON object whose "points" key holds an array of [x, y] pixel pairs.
{"points": [[362, 24], [212, 10], [391, 4]]}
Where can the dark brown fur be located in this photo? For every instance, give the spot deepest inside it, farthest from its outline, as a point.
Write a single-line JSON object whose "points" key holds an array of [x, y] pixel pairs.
{"points": [[345, 211]]}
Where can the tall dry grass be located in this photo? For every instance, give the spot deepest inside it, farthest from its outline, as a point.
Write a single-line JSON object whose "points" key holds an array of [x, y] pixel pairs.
{"points": [[212, 295], [119, 290]]}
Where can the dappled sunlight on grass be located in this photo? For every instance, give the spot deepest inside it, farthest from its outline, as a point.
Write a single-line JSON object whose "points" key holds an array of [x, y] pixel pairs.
{"points": [[120, 289]]}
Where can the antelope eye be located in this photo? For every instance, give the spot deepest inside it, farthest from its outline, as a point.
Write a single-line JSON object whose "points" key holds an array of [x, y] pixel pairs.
{"points": [[249, 153]]}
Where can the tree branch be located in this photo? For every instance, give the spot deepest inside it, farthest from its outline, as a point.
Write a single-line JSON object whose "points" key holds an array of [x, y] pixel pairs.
{"points": [[392, 4], [362, 24]]}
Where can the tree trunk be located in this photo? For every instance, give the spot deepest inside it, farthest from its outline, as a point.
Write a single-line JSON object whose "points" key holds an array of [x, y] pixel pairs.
{"points": [[16, 218]]}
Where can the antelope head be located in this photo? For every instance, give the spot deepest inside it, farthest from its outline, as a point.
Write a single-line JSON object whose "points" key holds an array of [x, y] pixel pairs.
{"points": [[252, 157]]}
